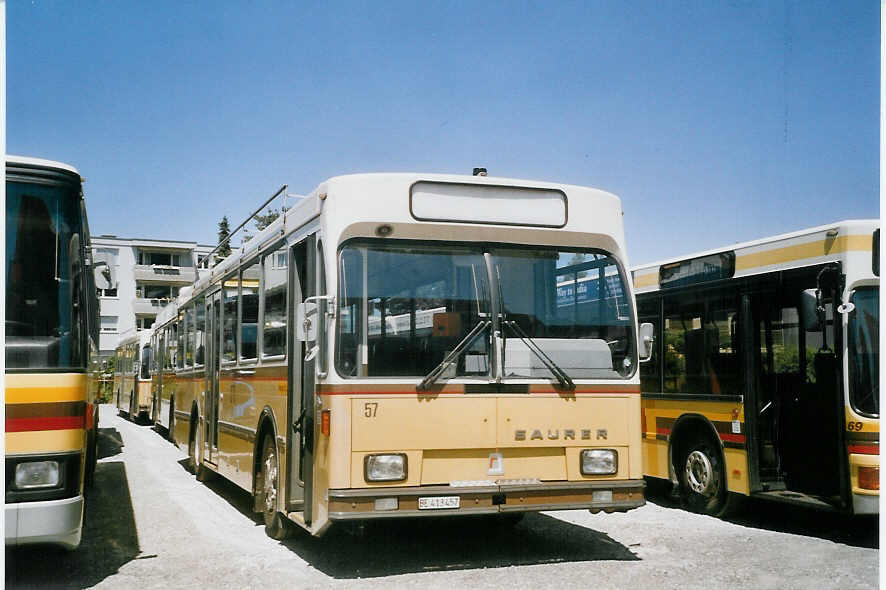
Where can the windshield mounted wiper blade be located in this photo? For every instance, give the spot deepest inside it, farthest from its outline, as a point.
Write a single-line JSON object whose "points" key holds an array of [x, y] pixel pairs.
{"points": [[432, 377], [562, 378]]}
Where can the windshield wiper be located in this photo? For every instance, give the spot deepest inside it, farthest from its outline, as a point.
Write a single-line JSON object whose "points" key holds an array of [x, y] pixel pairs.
{"points": [[447, 361], [560, 374]]}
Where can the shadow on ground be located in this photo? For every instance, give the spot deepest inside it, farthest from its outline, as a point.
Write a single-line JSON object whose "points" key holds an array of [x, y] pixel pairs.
{"points": [[387, 548], [110, 443], [856, 531], [109, 538]]}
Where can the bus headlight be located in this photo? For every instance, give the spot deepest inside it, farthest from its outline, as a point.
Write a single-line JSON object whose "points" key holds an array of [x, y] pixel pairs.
{"points": [[37, 474], [599, 462], [390, 467]]}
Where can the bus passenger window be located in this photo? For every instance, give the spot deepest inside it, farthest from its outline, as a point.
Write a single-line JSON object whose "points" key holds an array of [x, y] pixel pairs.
{"points": [[274, 321], [229, 332], [649, 310], [180, 354], [199, 329], [249, 312]]}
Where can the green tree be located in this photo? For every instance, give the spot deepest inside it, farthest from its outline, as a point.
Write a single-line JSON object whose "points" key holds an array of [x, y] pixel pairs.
{"points": [[224, 235], [264, 220]]}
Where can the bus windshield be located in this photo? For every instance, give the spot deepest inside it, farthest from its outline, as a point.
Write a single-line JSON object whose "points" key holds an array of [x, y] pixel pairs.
{"points": [[43, 265], [864, 351], [573, 305], [402, 310]]}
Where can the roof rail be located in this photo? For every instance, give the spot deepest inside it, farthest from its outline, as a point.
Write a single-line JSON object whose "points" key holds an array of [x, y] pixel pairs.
{"points": [[208, 260]]}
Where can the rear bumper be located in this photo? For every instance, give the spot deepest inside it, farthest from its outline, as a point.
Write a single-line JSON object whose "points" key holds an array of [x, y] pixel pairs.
{"points": [[59, 522], [609, 496], [865, 504]]}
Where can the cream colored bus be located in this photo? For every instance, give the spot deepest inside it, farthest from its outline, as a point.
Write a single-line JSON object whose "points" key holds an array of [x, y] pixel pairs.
{"points": [[132, 375], [406, 345], [764, 379]]}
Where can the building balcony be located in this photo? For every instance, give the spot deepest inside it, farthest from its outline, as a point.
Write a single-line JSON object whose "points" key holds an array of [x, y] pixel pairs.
{"points": [[149, 307], [167, 274]]}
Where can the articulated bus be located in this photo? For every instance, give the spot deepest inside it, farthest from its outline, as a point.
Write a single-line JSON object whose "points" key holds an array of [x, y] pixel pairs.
{"points": [[400, 345], [764, 375], [132, 376], [51, 354]]}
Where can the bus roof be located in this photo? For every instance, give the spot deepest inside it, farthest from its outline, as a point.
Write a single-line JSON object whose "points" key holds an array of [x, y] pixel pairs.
{"points": [[793, 247], [311, 205], [40, 163]]}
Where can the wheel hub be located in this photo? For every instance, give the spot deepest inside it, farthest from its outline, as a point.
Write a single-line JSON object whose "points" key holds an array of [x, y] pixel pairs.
{"points": [[700, 473], [270, 482]]}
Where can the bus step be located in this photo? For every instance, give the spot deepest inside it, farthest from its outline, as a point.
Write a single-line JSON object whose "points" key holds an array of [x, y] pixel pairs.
{"points": [[795, 498]]}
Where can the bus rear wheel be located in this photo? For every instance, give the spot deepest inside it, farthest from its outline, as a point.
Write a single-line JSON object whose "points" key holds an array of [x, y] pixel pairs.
{"points": [[266, 488], [703, 479]]}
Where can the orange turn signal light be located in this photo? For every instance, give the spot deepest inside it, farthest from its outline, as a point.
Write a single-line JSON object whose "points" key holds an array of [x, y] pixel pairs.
{"points": [[869, 478], [325, 417]]}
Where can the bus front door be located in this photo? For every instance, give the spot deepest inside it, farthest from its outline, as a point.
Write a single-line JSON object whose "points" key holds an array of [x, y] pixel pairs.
{"points": [[299, 440], [213, 365]]}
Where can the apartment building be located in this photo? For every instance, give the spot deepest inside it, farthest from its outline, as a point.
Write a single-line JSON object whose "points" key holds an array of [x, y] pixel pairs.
{"points": [[143, 276]]}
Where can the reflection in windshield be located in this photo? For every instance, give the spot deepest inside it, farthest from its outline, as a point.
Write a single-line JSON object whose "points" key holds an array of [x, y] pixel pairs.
{"points": [[574, 307], [402, 309], [864, 351]]}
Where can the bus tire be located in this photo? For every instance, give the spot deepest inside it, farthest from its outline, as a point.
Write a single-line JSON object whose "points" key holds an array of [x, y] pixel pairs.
{"points": [[195, 466], [276, 525], [702, 475]]}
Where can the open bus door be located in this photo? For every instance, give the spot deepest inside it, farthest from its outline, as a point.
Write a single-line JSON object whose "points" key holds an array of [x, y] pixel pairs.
{"points": [[797, 404], [300, 436]]}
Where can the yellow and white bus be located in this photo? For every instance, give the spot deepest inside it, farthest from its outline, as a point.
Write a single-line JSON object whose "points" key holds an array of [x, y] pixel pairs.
{"points": [[764, 379], [132, 375], [402, 345], [51, 354]]}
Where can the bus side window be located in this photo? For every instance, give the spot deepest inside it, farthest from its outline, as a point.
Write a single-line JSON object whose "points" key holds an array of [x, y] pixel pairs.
{"points": [[649, 310]]}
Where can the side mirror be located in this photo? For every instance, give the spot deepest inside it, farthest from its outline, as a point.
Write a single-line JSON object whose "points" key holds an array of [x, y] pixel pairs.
{"points": [[809, 310], [306, 320], [647, 341], [104, 275]]}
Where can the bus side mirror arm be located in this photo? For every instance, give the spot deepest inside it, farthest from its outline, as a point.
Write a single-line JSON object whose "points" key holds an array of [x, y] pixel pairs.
{"points": [[647, 341]]}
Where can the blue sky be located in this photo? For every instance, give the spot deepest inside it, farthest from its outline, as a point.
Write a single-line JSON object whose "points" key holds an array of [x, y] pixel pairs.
{"points": [[714, 122]]}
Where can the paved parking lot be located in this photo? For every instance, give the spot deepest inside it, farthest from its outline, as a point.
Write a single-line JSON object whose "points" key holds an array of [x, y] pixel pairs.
{"points": [[149, 524]]}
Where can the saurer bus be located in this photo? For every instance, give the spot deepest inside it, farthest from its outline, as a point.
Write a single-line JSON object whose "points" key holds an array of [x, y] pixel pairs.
{"points": [[406, 345], [765, 370], [51, 353]]}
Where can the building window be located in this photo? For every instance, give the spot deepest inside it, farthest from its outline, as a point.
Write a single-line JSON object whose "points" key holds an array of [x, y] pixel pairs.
{"points": [[146, 257], [109, 323], [107, 292], [145, 323], [156, 291]]}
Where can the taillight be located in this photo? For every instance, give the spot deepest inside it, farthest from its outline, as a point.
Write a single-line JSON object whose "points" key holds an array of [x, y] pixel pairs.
{"points": [[869, 478]]}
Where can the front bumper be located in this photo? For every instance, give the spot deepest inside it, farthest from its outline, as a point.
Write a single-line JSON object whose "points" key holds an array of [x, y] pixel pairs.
{"points": [[609, 496], [58, 522]]}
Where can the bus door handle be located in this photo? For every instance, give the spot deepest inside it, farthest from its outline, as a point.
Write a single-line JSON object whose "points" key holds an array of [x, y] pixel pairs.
{"points": [[297, 425]]}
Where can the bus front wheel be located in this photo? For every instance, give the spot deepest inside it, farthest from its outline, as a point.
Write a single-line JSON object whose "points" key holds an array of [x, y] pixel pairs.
{"points": [[266, 488]]}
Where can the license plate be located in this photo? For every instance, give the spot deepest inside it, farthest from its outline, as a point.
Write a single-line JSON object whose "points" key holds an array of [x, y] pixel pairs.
{"points": [[439, 502]]}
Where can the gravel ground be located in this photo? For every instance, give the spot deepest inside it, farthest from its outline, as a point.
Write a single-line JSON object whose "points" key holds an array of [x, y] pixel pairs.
{"points": [[149, 524]]}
